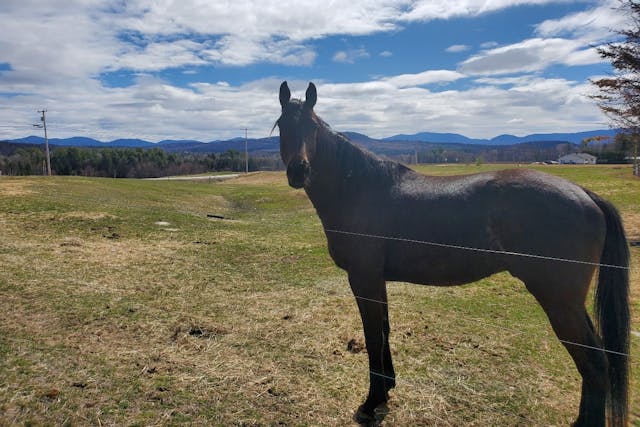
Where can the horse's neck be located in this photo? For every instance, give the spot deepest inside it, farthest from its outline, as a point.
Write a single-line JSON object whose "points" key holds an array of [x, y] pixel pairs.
{"points": [[340, 171]]}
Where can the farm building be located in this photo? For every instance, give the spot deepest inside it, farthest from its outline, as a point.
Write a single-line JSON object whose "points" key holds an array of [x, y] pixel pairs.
{"points": [[578, 159]]}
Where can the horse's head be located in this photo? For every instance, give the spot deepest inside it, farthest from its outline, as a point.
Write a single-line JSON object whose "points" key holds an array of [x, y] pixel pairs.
{"points": [[298, 131]]}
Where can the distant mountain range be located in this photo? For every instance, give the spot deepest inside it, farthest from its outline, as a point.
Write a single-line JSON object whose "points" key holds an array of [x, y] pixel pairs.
{"points": [[192, 146], [393, 144], [574, 138]]}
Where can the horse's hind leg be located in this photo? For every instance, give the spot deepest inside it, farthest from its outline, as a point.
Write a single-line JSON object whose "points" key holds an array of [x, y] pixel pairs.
{"points": [[574, 328]]}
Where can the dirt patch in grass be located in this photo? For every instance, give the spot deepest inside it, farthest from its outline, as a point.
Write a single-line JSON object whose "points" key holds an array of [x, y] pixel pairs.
{"points": [[355, 346], [192, 329]]}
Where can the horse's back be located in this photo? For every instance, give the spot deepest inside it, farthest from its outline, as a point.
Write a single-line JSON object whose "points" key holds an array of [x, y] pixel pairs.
{"points": [[532, 198], [469, 223]]}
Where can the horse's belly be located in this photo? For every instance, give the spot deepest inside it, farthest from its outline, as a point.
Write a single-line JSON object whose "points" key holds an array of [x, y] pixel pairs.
{"points": [[439, 268]]}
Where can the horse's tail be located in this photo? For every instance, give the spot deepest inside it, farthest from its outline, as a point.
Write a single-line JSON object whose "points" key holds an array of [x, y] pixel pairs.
{"points": [[612, 309]]}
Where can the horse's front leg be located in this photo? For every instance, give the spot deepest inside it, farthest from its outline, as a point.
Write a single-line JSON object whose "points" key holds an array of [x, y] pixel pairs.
{"points": [[371, 296]]}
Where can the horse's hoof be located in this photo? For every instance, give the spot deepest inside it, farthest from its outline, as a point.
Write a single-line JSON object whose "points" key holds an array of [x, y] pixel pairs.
{"points": [[364, 419]]}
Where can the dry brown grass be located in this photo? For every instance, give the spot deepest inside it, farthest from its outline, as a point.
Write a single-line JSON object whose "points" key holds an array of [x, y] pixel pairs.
{"points": [[632, 225], [10, 187], [83, 215], [261, 178]]}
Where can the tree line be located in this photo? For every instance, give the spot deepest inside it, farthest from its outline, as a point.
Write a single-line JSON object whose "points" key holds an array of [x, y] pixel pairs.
{"points": [[20, 159], [616, 151], [126, 162], [519, 153]]}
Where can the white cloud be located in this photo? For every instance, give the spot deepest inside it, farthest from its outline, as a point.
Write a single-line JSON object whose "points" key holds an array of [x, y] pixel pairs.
{"points": [[569, 40], [506, 81], [341, 56], [457, 48], [592, 25], [489, 45], [233, 33], [350, 56], [583, 57], [249, 31], [240, 51], [528, 56], [51, 42], [83, 37], [379, 109], [424, 78], [159, 56], [386, 54], [262, 19], [444, 9]]}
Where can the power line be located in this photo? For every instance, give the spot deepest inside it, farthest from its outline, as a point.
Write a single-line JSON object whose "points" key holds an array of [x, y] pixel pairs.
{"points": [[467, 248]]}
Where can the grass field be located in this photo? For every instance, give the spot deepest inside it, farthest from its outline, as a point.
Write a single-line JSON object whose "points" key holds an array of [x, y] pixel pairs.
{"points": [[124, 303]]}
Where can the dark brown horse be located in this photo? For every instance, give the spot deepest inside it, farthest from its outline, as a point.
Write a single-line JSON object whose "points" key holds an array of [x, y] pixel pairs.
{"points": [[385, 222]]}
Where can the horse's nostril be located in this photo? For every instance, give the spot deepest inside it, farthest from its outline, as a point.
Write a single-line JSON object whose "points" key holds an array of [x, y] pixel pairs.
{"points": [[297, 173], [300, 167]]}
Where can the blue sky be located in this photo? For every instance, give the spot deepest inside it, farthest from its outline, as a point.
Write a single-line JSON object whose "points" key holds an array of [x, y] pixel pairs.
{"points": [[186, 69]]}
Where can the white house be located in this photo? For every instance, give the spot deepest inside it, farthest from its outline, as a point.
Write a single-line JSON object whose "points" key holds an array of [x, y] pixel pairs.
{"points": [[578, 159]]}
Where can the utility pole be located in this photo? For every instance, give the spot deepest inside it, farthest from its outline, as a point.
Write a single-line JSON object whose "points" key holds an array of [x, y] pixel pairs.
{"points": [[43, 119], [636, 160], [246, 153]]}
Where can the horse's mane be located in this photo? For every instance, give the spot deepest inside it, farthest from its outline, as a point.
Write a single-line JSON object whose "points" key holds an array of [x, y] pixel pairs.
{"points": [[353, 160]]}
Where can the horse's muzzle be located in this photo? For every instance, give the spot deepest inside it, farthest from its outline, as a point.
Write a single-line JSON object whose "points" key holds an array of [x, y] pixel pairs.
{"points": [[297, 173]]}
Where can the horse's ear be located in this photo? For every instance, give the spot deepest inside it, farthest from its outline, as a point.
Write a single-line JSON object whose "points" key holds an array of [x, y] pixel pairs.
{"points": [[285, 94], [311, 96]]}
